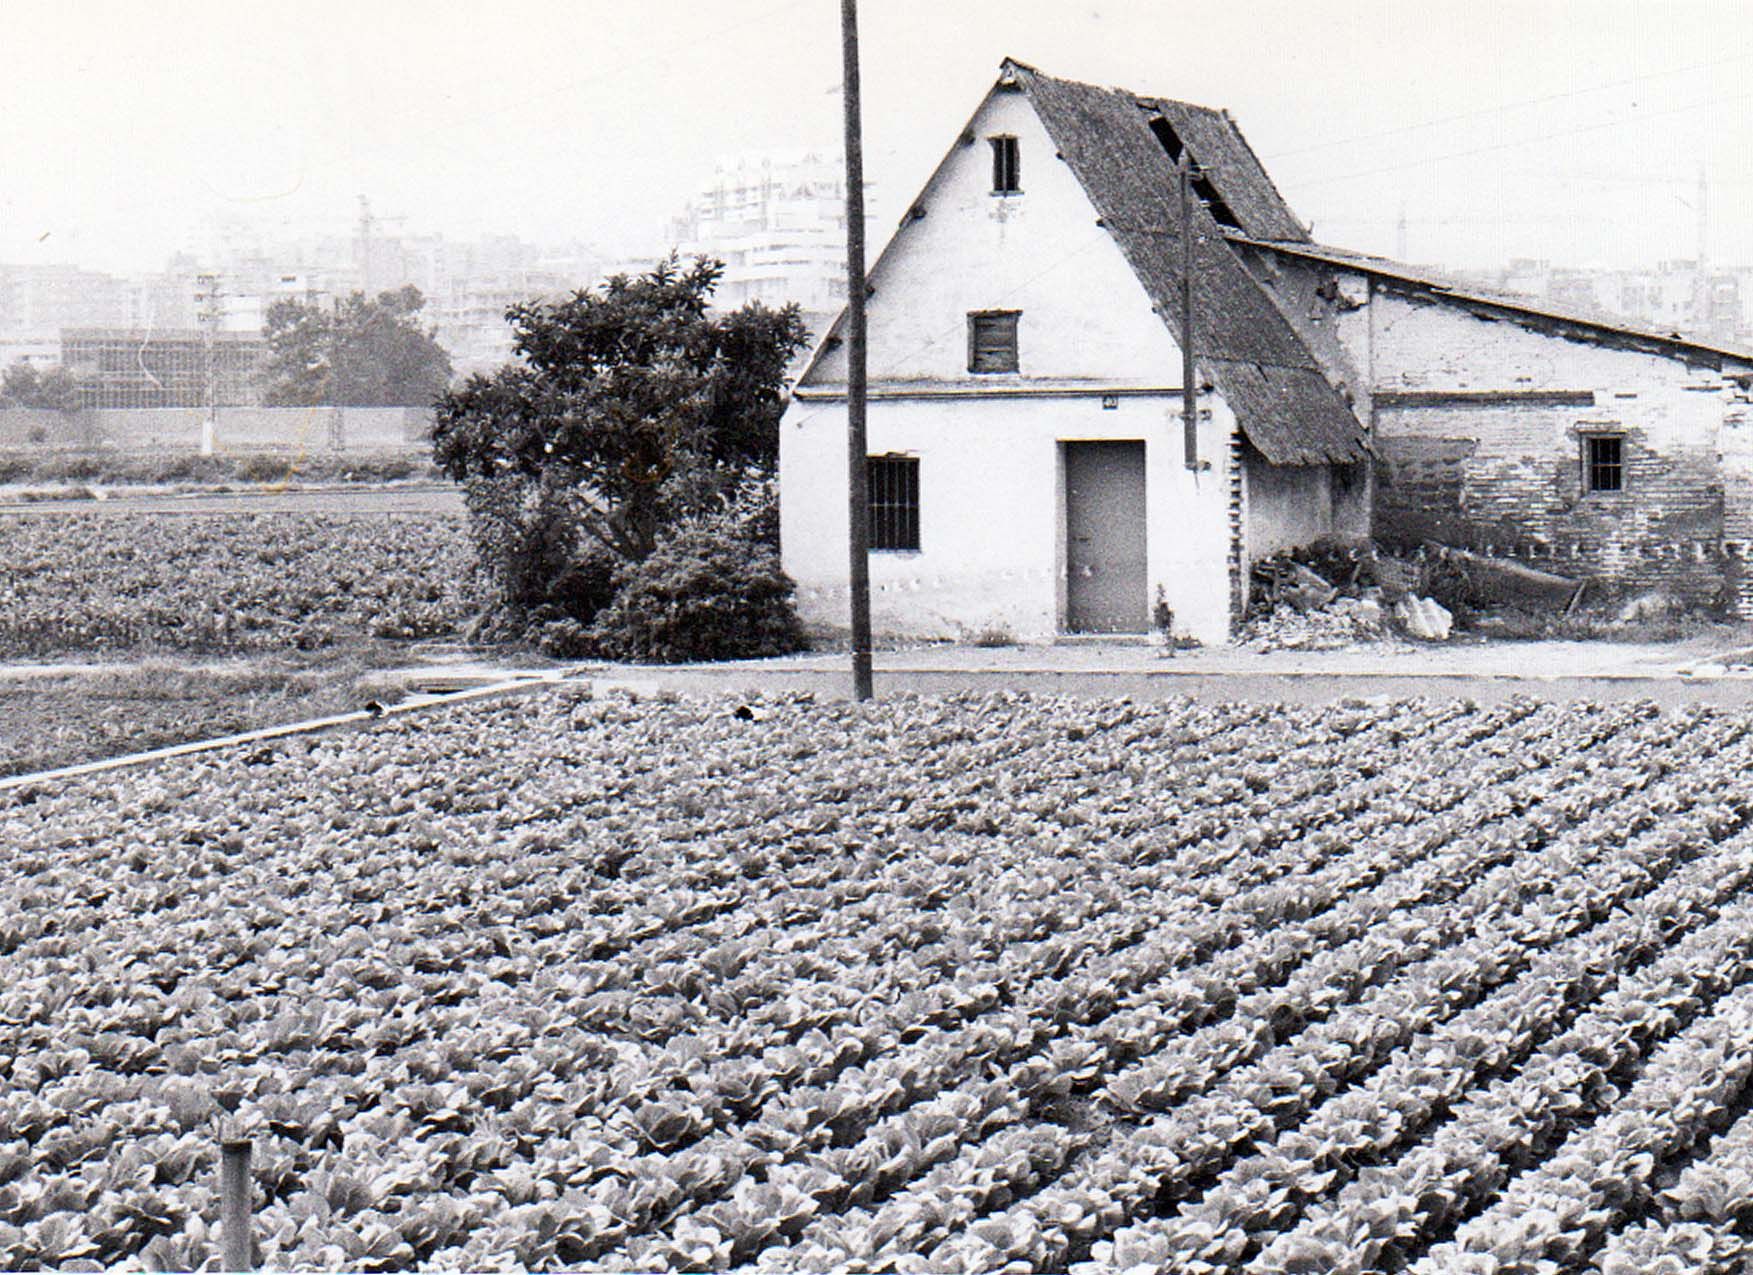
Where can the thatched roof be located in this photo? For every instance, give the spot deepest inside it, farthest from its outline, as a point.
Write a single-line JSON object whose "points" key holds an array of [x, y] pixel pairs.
{"points": [[1241, 341]]}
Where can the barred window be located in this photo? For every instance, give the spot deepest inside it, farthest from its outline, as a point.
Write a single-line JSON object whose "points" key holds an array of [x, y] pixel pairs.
{"points": [[992, 345], [1603, 463], [1006, 166], [894, 501]]}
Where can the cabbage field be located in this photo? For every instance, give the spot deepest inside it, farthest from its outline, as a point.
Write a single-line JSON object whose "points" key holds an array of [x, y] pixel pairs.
{"points": [[986, 983], [236, 582]]}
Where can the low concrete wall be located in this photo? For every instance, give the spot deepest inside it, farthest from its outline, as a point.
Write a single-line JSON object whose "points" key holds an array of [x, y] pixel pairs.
{"points": [[300, 430]]}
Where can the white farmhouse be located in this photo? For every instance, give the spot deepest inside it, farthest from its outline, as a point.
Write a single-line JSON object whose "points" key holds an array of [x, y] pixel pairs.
{"points": [[1027, 469]]}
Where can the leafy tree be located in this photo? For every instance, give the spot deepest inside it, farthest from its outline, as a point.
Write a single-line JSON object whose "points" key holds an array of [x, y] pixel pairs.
{"points": [[55, 389], [632, 402], [355, 353]]}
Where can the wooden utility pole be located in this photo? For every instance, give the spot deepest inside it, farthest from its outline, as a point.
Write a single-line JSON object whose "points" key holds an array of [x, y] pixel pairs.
{"points": [[857, 451], [1189, 388]]}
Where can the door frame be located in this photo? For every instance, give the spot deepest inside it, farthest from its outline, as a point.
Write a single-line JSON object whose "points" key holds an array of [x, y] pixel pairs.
{"points": [[1062, 538]]}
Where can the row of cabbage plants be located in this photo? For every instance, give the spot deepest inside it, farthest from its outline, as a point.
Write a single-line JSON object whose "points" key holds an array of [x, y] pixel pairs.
{"points": [[982, 983], [227, 582]]}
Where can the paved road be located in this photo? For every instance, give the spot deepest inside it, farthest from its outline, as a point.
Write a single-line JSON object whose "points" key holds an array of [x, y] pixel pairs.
{"points": [[394, 501]]}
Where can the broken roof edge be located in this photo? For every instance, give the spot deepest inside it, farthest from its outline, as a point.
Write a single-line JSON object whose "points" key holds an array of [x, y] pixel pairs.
{"points": [[1442, 288], [1306, 228]]}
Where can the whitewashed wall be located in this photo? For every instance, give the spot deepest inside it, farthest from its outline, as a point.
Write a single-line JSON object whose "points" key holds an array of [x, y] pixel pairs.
{"points": [[991, 476], [992, 514]]}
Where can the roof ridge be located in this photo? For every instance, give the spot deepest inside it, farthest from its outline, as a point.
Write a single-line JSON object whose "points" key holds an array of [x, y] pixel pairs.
{"points": [[1136, 95]]}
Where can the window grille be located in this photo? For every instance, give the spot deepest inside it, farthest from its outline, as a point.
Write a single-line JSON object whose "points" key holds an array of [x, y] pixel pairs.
{"points": [[894, 501], [1006, 166], [1604, 463]]}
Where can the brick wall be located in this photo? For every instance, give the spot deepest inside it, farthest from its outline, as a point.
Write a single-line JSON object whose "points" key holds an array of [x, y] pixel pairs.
{"points": [[1479, 426]]}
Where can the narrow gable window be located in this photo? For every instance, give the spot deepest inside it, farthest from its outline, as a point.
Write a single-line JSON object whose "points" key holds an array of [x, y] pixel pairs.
{"points": [[1603, 463], [992, 340], [894, 501], [1007, 178]]}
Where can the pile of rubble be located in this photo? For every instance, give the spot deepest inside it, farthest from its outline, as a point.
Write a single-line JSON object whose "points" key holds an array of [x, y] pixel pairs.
{"points": [[1344, 622], [1295, 608]]}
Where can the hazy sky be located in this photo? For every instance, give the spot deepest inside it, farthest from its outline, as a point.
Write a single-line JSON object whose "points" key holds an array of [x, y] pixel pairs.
{"points": [[1568, 129]]}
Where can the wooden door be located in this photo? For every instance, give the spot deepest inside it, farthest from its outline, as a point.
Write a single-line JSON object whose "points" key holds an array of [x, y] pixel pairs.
{"points": [[1106, 563]]}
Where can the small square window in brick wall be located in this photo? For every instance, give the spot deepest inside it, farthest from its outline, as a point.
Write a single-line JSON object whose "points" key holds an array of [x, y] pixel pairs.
{"points": [[1604, 463]]}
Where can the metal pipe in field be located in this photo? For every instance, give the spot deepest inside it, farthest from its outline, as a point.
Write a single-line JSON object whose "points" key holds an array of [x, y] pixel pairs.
{"points": [[237, 1252]]}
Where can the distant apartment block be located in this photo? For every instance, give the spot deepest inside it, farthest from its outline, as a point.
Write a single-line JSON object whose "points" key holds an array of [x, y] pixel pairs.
{"points": [[143, 367], [778, 222], [109, 320], [1714, 302], [46, 298], [468, 284]]}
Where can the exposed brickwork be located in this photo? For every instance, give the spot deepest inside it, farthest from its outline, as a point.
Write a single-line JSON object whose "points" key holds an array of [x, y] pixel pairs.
{"points": [[1479, 429]]}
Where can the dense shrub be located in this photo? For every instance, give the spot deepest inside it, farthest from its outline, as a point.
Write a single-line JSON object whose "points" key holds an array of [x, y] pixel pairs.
{"points": [[709, 591], [537, 567]]}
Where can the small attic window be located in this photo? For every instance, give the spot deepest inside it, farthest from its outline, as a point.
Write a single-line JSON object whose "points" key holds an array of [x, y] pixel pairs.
{"points": [[992, 344], [1006, 166]]}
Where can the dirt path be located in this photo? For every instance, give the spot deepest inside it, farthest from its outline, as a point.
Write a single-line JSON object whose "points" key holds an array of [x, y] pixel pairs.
{"points": [[57, 714]]}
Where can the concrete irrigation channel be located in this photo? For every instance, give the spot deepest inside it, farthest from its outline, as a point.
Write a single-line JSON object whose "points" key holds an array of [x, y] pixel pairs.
{"points": [[438, 692]]}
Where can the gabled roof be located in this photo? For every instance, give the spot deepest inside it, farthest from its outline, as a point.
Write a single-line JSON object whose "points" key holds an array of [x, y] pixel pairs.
{"points": [[1242, 343], [1256, 360], [1601, 328]]}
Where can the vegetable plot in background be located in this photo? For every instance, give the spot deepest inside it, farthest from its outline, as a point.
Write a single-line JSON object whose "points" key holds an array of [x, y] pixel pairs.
{"points": [[226, 582], [985, 983]]}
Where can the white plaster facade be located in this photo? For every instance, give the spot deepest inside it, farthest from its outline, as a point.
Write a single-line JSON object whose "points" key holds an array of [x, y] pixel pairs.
{"points": [[1096, 362], [992, 514]]}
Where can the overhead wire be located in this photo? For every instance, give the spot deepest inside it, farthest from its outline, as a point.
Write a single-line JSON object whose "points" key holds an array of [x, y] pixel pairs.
{"points": [[895, 362], [1525, 141], [1505, 107]]}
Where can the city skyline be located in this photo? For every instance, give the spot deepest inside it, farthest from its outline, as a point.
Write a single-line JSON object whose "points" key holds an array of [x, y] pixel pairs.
{"points": [[1469, 135]]}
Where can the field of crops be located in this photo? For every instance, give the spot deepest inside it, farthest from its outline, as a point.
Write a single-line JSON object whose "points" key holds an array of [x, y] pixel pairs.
{"points": [[987, 983], [231, 582]]}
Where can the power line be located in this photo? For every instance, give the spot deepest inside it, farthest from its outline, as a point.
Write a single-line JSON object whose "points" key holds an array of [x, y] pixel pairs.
{"points": [[1524, 141], [895, 362], [1506, 107]]}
